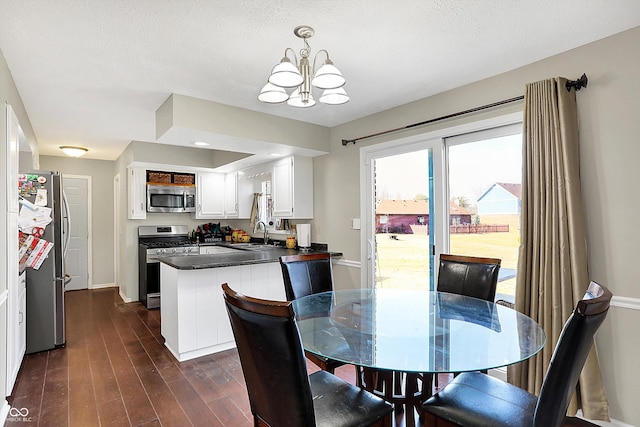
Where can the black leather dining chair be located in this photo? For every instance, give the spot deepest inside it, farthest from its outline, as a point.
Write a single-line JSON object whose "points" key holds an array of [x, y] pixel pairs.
{"points": [[307, 274], [478, 400], [470, 276], [281, 394]]}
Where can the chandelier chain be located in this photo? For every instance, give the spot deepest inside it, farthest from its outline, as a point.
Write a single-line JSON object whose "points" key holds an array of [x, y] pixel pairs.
{"points": [[306, 50]]}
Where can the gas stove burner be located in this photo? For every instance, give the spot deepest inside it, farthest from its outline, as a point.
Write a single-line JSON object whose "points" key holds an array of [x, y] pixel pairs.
{"points": [[170, 244]]}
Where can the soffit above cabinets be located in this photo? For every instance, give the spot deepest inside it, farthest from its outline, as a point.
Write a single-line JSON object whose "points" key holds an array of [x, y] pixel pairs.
{"points": [[183, 120]]}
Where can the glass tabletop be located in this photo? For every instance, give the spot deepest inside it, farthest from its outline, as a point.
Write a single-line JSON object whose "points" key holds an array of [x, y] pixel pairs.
{"points": [[415, 331]]}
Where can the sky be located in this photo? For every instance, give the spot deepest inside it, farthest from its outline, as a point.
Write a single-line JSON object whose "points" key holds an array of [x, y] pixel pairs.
{"points": [[473, 168]]}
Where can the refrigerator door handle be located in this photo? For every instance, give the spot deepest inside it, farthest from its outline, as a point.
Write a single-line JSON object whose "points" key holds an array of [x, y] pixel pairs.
{"points": [[67, 218]]}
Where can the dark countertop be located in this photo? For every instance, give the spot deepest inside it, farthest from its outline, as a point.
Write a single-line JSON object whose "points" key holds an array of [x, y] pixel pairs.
{"points": [[241, 257]]}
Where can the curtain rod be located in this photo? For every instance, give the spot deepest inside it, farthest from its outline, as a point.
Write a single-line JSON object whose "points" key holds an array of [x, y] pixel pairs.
{"points": [[576, 84]]}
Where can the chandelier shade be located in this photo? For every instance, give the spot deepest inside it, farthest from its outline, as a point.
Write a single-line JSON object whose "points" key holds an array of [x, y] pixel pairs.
{"points": [[296, 100], [272, 94], [297, 75], [334, 96], [328, 77], [285, 74]]}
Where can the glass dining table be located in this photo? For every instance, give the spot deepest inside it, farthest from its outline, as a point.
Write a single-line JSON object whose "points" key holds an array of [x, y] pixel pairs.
{"points": [[397, 337]]}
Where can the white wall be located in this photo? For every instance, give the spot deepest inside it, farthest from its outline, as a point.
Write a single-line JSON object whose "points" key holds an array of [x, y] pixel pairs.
{"points": [[608, 110], [101, 173]]}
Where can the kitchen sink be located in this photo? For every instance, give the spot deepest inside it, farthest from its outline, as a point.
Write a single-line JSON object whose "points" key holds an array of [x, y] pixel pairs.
{"points": [[255, 246]]}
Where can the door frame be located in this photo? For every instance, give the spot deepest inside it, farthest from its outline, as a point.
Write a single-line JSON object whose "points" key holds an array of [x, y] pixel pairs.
{"points": [[436, 141], [88, 179], [116, 230]]}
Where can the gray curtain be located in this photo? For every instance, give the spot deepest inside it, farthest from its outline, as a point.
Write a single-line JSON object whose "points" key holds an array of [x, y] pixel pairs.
{"points": [[552, 264]]}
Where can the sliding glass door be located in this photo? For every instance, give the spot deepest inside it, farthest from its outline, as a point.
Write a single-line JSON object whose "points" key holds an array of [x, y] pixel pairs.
{"points": [[401, 212], [454, 192]]}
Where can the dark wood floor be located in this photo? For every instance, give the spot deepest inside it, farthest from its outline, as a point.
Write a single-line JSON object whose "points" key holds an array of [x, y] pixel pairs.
{"points": [[115, 371]]}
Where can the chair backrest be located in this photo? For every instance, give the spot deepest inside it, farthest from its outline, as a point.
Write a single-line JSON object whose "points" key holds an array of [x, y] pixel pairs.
{"points": [[471, 276], [272, 359], [306, 274], [570, 355]]}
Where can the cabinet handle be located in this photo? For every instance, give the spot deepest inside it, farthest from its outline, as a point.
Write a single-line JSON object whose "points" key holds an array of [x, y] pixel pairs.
{"points": [[20, 317]]}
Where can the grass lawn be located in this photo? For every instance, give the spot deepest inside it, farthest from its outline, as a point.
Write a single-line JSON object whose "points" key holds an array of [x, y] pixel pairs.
{"points": [[403, 261]]}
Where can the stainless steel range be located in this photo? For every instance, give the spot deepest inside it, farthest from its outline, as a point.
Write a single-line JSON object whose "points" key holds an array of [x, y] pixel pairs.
{"points": [[155, 242]]}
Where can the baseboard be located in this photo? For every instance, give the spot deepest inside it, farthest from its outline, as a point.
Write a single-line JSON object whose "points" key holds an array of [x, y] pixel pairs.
{"points": [[103, 285], [123, 296]]}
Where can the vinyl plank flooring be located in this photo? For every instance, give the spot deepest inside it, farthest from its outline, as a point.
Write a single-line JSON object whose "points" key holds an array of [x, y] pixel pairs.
{"points": [[115, 371]]}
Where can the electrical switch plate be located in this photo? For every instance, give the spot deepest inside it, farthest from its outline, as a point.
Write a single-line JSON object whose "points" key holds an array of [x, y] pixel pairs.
{"points": [[355, 223]]}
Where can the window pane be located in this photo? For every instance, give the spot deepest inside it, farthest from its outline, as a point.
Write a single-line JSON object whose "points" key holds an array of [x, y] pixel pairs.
{"points": [[402, 212], [485, 180]]}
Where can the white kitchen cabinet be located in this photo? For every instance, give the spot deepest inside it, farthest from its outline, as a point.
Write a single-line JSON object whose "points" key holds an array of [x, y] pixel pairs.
{"points": [[137, 191], [194, 317], [210, 189], [292, 187], [246, 188], [17, 329], [231, 195]]}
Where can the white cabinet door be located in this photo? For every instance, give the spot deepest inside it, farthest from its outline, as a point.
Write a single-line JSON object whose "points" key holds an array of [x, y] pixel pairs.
{"points": [[137, 190], [22, 320], [282, 188], [231, 195], [292, 187], [16, 327], [210, 196], [246, 188]]}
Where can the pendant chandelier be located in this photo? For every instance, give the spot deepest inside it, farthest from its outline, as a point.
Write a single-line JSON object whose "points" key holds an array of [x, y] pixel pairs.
{"points": [[298, 76]]}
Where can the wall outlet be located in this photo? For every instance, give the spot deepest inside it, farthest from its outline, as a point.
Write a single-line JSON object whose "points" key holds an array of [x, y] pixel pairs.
{"points": [[355, 223]]}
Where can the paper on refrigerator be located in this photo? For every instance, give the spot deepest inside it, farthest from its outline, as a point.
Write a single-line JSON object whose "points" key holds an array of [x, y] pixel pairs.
{"points": [[32, 251], [30, 219]]}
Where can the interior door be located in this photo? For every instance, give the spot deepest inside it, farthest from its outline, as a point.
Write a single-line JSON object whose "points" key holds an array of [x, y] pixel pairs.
{"points": [[76, 189]]}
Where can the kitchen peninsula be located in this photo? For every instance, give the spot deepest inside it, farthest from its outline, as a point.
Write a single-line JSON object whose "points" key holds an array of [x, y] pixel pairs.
{"points": [[194, 319]]}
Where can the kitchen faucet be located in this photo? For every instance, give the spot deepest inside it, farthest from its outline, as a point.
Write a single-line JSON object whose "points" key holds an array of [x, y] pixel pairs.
{"points": [[266, 232]]}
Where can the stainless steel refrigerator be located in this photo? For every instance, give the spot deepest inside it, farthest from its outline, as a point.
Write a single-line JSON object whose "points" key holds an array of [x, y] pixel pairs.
{"points": [[45, 285]]}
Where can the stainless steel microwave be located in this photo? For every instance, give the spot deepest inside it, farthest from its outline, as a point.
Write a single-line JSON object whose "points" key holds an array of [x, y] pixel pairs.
{"points": [[171, 198]]}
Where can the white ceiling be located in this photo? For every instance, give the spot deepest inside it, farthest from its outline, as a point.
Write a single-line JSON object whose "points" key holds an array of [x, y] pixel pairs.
{"points": [[93, 73]]}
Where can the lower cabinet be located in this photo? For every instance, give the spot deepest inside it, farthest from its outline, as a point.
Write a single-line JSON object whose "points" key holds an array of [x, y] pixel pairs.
{"points": [[17, 331], [194, 318]]}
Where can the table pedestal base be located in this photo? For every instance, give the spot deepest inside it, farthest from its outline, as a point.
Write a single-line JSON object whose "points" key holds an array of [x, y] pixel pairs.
{"points": [[405, 390]]}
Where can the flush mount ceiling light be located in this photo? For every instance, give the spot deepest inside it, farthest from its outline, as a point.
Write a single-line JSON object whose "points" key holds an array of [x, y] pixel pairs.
{"points": [[201, 143], [74, 151], [297, 76]]}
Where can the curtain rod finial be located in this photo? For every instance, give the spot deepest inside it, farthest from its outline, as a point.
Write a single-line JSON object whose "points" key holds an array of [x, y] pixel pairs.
{"points": [[577, 84], [347, 141]]}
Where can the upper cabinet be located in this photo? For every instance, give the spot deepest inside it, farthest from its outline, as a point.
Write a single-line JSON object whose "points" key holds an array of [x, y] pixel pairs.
{"points": [[231, 195], [286, 184], [292, 188], [210, 190], [137, 187]]}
